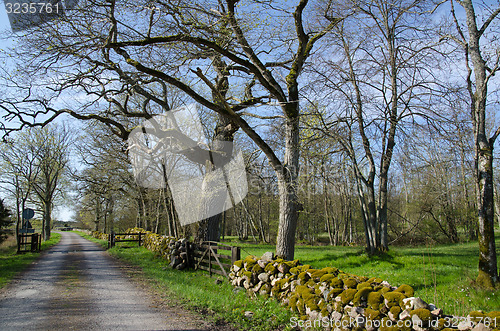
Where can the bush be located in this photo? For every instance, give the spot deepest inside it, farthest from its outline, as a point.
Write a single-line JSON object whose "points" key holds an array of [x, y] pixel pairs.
{"points": [[5, 220]]}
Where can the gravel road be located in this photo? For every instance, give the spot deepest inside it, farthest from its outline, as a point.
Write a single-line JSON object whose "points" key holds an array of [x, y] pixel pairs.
{"points": [[77, 286]]}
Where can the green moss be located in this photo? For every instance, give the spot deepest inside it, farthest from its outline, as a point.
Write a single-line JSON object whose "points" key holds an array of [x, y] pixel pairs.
{"points": [[270, 269], [322, 304], [384, 322], [304, 276], [311, 283], [348, 295], [257, 269], [292, 303], [281, 283], [424, 314], [375, 299], [305, 267], [311, 303], [317, 274], [372, 314], [394, 298], [494, 315], [300, 306], [334, 293], [249, 262], [477, 316], [363, 285], [350, 283], [302, 290], [295, 271], [384, 290], [361, 295], [324, 312], [395, 311], [247, 274], [326, 278], [238, 263], [407, 290], [335, 282], [331, 270]]}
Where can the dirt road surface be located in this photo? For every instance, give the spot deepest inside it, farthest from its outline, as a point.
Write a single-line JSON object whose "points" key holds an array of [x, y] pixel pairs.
{"points": [[78, 286]]}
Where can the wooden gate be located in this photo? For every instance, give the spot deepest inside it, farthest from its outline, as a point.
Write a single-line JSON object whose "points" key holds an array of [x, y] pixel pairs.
{"points": [[207, 257], [29, 242], [112, 238]]}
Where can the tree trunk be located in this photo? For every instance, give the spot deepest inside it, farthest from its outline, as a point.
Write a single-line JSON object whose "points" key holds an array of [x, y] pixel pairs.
{"points": [[488, 270], [382, 215], [46, 219], [287, 186], [483, 158]]}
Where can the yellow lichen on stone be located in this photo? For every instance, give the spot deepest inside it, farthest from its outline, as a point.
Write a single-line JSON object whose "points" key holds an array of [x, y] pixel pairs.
{"points": [[334, 293], [422, 313], [326, 278], [361, 295], [395, 311], [407, 290], [257, 269], [348, 295], [350, 282], [494, 315], [393, 298], [331, 270], [477, 316], [375, 299], [338, 283], [372, 314], [363, 285]]}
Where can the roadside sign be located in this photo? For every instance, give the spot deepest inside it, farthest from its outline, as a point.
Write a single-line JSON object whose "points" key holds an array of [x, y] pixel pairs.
{"points": [[28, 213]]}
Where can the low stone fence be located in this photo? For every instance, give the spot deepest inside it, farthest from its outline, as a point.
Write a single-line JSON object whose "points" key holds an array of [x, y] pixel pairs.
{"points": [[172, 249], [332, 299]]}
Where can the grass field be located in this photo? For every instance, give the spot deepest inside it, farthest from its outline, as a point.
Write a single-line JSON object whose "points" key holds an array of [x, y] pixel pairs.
{"points": [[11, 263], [442, 275]]}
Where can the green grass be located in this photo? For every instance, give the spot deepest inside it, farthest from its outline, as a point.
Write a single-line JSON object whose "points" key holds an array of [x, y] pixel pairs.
{"points": [[443, 275], [11, 263]]}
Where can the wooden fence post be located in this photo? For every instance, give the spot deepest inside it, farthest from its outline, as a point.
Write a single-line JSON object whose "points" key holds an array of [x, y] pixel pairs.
{"points": [[235, 254], [140, 234]]}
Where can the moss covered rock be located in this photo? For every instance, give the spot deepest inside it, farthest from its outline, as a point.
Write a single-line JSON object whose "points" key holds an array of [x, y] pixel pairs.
{"points": [[372, 314], [350, 283], [337, 283], [407, 290], [424, 314], [361, 295], [393, 299], [348, 295], [375, 299]]}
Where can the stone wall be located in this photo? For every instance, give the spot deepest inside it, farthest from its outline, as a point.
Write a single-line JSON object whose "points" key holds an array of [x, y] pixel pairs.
{"points": [[339, 300]]}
